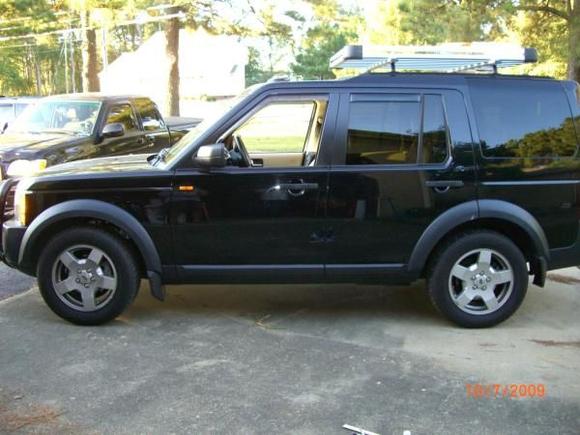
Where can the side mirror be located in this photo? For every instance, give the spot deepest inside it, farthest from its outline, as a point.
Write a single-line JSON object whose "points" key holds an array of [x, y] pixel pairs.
{"points": [[211, 156], [115, 129]]}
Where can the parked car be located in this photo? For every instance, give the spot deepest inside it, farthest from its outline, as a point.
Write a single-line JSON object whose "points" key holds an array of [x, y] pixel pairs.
{"points": [[469, 181], [72, 127], [10, 108]]}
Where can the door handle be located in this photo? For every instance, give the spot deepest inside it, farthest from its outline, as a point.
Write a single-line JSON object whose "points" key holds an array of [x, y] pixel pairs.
{"points": [[443, 186], [297, 188], [444, 183]]}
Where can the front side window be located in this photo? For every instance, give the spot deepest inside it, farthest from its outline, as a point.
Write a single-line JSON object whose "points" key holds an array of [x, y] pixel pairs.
{"points": [[283, 133], [515, 121], [278, 128], [149, 114], [122, 113]]}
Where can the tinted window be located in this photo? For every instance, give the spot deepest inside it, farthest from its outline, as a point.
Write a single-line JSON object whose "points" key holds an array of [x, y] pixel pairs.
{"points": [[150, 116], [434, 130], [382, 132], [124, 114], [523, 122]]}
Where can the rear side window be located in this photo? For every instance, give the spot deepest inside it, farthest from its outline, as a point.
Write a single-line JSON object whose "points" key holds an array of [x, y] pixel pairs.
{"points": [[397, 132], [531, 121]]}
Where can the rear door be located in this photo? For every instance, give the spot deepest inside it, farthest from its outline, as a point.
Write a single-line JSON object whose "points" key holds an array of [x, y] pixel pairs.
{"points": [[404, 156]]}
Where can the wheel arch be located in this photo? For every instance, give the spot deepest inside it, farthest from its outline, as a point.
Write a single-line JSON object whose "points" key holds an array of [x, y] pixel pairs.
{"points": [[61, 215], [501, 216]]}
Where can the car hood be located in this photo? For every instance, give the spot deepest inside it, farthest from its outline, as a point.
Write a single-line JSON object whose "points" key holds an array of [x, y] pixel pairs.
{"points": [[31, 142], [130, 163]]}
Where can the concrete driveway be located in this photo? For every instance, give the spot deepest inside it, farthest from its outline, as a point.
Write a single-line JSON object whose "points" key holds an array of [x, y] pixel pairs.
{"points": [[288, 359]]}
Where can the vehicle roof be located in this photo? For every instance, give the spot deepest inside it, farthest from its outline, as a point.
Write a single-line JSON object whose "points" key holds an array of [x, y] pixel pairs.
{"points": [[93, 96], [4, 99], [398, 78]]}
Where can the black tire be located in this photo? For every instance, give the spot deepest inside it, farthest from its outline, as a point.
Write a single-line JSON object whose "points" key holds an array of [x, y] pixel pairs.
{"points": [[440, 285], [119, 254]]}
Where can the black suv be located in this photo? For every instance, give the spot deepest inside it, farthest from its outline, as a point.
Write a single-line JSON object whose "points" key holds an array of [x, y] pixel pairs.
{"points": [[469, 181]]}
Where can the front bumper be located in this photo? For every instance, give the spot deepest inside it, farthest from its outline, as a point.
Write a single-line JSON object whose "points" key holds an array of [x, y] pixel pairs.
{"points": [[12, 235]]}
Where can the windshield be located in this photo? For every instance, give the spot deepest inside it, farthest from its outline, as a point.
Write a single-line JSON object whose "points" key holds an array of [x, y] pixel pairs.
{"points": [[54, 116], [202, 127]]}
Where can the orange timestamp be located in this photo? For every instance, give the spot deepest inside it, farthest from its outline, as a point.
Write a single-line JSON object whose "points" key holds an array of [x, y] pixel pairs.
{"points": [[506, 391]]}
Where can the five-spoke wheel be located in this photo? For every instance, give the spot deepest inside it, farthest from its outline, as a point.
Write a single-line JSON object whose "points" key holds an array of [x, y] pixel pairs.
{"points": [[481, 281], [87, 275], [84, 278], [478, 278]]}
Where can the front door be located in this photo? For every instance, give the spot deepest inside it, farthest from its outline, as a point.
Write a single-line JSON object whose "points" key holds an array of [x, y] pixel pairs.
{"points": [[132, 142], [261, 218], [406, 158]]}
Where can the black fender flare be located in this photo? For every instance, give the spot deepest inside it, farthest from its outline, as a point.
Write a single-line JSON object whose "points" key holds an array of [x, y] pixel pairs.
{"points": [[471, 211], [95, 209]]}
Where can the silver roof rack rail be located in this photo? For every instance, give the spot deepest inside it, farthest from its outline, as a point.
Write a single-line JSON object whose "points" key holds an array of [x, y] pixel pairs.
{"points": [[448, 57]]}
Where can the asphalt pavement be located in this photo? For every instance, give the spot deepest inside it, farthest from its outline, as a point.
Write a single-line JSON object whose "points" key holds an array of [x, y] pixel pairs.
{"points": [[291, 360]]}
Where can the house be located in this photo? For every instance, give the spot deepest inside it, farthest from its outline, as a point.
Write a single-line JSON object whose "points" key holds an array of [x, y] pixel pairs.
{"points": [[211, 67]]}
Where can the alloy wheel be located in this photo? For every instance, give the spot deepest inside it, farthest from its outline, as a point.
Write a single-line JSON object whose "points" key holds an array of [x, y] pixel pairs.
{"points": [[481, 281], [84, 278]]}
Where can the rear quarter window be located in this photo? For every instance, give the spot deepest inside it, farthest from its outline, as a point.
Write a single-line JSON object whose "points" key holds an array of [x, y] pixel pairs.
{"points": [[523, 120]]}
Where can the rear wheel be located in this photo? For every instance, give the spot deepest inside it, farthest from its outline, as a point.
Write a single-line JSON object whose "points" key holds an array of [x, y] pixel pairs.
{"points": [[478, 279], [87, 276]]}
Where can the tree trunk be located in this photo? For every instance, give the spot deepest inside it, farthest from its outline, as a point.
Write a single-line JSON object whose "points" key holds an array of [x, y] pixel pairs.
{"points": [[89, 56], [172, 52], [574, 42]]}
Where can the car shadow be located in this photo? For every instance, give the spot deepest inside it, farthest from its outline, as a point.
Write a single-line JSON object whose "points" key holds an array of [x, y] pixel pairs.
{"points": [[267, 304]]}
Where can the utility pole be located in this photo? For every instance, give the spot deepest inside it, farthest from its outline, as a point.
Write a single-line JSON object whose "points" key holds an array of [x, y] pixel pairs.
{"points": [[65, 48], [72, 63], [104, 55]]}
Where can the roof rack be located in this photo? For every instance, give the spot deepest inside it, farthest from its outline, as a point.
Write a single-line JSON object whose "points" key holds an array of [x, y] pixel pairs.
{"points": [[448, 57]]}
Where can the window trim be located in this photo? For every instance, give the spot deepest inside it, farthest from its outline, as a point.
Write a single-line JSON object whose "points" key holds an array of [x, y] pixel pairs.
{"points": [[397, 95]]}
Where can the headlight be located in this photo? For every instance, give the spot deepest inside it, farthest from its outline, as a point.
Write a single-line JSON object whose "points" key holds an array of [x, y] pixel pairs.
{"points": [[20, 198], [25, 168]]}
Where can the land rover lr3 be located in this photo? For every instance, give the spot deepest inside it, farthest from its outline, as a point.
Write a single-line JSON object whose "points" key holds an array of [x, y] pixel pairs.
{"points": [[469, 181]]}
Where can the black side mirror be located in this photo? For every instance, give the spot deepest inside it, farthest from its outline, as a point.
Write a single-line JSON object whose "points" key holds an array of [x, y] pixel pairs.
{"points": [[115, 129], [211, 156]]}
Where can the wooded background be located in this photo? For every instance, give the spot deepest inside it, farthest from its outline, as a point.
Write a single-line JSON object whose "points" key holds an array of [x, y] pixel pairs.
{"points": [[58, 46]]}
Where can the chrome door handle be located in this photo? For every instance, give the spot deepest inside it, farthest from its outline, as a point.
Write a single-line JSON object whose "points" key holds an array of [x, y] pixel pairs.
{"points": [[298, 188]]}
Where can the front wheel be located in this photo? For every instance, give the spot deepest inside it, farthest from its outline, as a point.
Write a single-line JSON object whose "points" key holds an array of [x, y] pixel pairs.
{"points": [[478, 279], [87, 276]]}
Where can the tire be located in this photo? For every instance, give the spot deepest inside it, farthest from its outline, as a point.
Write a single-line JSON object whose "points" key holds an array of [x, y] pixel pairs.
{"points": [[87, 276], [478, 279]]}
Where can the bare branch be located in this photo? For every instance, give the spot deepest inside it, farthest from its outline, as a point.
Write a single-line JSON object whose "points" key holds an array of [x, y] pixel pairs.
{"points": [[546, 9]]}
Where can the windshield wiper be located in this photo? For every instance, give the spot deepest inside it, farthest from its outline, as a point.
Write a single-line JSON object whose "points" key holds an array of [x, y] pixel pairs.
{"points": [[57, 131]]}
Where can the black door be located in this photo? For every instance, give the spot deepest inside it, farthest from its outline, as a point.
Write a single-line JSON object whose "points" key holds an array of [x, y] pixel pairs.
{"points": [[263, 215], [405, 157], [132, 142]]}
